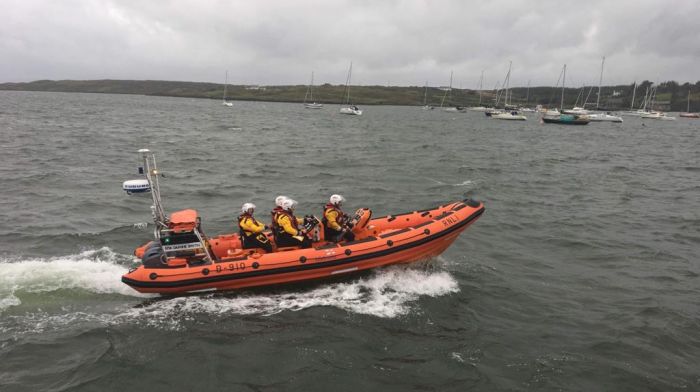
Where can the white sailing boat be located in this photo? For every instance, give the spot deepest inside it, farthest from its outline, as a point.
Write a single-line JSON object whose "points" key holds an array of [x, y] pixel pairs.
{"points": [[508, 114], [600, 116], [349, 108], [479, 107], [643, 109], [425, 98], [225, 102], [310, 94], [655, 114], [688, 113]]}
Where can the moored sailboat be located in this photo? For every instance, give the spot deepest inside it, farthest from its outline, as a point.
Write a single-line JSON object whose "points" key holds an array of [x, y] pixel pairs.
{"points": [[312, 104], [557, 117], [348, 108]]}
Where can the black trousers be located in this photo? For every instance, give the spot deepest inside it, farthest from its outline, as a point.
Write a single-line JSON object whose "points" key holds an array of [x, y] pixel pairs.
{"points": [[285, 239], [337, 236], [259, 240]]}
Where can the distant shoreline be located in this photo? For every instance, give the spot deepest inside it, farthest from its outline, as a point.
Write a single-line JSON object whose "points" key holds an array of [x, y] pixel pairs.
{"points": [[670, 96]]}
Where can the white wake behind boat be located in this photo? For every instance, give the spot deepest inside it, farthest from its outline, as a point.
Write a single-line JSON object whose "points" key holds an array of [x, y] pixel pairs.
{"points": [[313, 105]]}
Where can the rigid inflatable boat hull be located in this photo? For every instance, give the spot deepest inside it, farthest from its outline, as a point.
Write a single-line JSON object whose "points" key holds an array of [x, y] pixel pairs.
{"points": [[404, 238]]}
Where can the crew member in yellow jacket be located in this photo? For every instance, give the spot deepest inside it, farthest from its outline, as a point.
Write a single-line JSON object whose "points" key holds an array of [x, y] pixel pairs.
{"points": [[251, 230], [285, 226], [336, 224]]}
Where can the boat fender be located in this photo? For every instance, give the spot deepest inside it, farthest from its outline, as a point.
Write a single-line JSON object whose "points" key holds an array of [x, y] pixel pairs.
{"points": [[256, 265], [205, 271], [390, 243], [302, 259]]}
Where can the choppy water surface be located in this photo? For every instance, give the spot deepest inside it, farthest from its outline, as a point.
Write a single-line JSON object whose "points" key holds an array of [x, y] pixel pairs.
{"points": [[583, 274]]}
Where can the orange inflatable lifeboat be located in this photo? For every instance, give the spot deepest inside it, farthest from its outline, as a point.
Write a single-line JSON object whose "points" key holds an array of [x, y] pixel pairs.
{"points": [[183, 259]]}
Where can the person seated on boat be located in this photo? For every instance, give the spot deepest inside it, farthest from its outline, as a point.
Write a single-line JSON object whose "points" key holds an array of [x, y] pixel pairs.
{"points": [[285, 226], [251, 230], [336, 223]]}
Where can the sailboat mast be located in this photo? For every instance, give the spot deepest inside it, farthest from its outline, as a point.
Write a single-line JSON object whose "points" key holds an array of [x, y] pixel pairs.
{"points": [[347, 85], [225, 83], [425, 94], [634, 92], [527, 95], [481, 85], [687, 110], [563, 82], [505, 103], [600, 82], [311, 87]]}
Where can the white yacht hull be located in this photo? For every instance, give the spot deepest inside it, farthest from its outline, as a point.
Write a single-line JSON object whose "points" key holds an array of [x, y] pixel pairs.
{"points": [[351, 111]]}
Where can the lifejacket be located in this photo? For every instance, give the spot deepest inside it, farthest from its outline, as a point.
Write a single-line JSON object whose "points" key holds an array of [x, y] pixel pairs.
{"points": [[341, 219], [276, 215], [240, 220]]}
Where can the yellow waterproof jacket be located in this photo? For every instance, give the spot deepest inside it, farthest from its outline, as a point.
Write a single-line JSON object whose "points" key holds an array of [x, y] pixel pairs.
{"points": [[331, 215], [250, 225], [285, 222]]}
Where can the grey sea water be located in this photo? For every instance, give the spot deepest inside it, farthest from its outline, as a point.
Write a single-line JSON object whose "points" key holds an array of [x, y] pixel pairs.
{"points": [[582, 275]]}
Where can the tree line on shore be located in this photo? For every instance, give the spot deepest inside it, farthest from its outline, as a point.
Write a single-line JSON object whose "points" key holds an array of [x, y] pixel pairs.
{"points": [[670, 96]]}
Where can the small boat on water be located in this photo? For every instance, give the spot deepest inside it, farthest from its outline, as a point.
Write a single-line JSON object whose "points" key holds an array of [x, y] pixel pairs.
{"points": [[604, 117], [311, 103], [658, 116], [566, 119], [513, 116], [182, 259], [349, 108], [559, 116], [688, 113], [225, 102]]}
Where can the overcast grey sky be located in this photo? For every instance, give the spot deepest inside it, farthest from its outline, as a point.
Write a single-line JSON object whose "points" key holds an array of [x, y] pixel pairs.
{"points": [[389, 42]]}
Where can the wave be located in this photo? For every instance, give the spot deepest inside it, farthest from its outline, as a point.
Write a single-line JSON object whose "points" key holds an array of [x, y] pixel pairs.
{"points": [[386, 293], [96, 271]]}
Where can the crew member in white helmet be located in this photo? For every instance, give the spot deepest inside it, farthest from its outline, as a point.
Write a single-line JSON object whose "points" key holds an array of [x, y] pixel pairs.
{"points": [[286, 226], [251, 230], [336, 224]]}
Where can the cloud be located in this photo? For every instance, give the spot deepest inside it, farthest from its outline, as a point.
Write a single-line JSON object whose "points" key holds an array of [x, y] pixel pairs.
{"points": [[396, 42]]}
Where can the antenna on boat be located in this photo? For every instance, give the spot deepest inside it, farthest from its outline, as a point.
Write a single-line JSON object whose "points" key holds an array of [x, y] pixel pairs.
{"points": [[151, 172]]}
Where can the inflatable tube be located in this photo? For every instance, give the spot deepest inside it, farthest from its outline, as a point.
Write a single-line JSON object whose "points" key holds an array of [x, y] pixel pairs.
{"points": [[393, 239]]}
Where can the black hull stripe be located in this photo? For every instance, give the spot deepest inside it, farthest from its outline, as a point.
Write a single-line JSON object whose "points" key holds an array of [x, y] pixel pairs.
{"points": [[303, 267]]}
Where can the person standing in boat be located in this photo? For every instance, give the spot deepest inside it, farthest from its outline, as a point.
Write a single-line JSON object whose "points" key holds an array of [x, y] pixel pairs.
{"points": [[251, 230], [285, 226], [336, 223]]}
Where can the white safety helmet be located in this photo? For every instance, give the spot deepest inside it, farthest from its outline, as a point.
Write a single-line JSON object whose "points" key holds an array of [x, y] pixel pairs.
{"points": [[247, 207], [279, 199], [337, 199], [288, 204]]}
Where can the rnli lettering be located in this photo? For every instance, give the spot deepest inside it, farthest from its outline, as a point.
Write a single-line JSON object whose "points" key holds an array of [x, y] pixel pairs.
{"points": [[449, 221], [231, 267]]}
